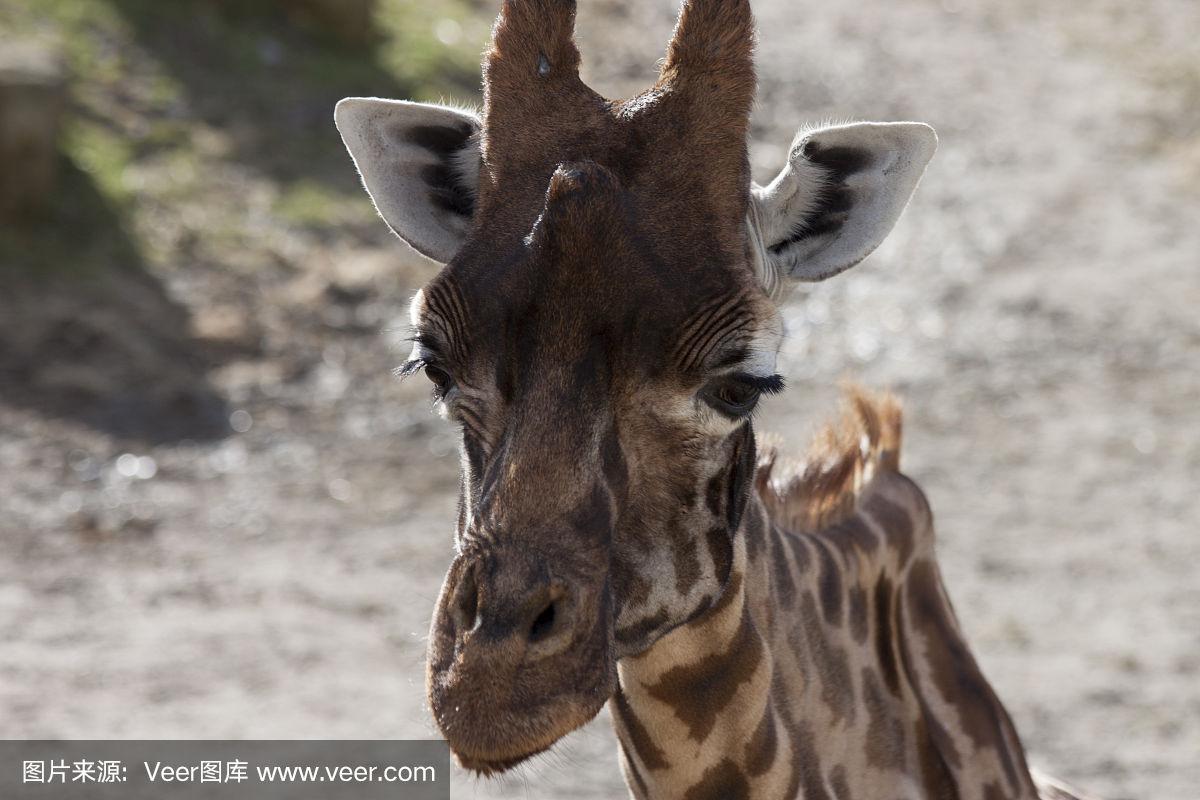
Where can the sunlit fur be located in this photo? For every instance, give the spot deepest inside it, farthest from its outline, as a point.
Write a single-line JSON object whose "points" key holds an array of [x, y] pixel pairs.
{"points": [[833, 666], [823, 488]]}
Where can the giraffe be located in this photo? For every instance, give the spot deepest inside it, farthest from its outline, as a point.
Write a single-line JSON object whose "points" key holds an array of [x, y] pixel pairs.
{"points": [[603, 327]]}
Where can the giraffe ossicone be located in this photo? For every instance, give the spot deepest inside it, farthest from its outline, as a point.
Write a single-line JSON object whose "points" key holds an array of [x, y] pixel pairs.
{"points": [[602, 328]]}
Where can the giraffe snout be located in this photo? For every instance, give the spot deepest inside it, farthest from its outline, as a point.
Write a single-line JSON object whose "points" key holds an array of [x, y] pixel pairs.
{"points": [[505, 608], [519, 655]]}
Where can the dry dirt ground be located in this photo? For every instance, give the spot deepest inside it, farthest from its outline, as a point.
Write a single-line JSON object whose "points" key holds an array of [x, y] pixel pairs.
{"points": [[1037, 308]]}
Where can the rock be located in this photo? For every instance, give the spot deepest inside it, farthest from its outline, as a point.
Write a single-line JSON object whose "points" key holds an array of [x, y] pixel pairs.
{"points": [[33, 96]]}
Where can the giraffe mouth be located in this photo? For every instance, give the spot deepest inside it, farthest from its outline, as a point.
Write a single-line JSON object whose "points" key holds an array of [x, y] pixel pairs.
{"points": [[488, 767], [503, 693], [488, 758]]}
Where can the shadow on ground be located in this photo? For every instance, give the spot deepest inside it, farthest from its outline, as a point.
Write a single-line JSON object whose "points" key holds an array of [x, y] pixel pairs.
{"points": [[88, 329], [88, 334]]}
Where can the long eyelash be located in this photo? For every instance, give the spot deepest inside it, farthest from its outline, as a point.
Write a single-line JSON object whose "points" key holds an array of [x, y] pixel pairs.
{"points": [[770, 384], [423, 339], [409, 368], [427, 341]]}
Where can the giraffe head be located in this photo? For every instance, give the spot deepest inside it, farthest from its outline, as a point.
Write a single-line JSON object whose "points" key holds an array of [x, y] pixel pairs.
{"points": [[601, 331]]}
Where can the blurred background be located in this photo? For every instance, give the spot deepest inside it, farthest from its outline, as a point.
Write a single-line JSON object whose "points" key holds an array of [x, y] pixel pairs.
{"points": [[220, 516]]}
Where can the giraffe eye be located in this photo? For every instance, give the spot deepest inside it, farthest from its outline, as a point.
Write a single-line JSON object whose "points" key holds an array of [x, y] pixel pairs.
{"points": [[441, 380], [737, 395], [731, 397]]}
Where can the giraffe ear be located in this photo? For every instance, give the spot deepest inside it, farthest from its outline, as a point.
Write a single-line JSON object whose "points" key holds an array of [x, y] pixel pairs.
{"points": [[841, 192], [420, 165]]}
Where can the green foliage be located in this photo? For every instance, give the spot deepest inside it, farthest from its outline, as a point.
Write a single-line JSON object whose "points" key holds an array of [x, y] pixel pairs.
{"points": [[435, 48], [101, 153], [184, 111]]}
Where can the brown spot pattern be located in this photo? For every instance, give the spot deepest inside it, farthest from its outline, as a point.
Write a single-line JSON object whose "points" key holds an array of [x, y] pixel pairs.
{"points": [[724, 781], [687, 561], [935, 774], [885, 653], [784, 585], [830, 584], [837, 779], [698, 693], [958, 677], [640, 790], [885, 728], [763, 745], [714, 495], [858, 613], [895, 522], [858, 534], [808, 764], [639, 738], [638, 631], [720, 551], [831, 666], [800, 549]]}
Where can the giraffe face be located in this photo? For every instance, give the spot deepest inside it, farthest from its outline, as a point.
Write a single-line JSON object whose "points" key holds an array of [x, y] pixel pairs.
{"points": [[601, 332], [603, 390]]}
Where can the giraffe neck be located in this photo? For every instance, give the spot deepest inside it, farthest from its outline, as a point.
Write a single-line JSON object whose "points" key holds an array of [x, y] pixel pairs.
{"points": [[686, 720], [831, 667]]}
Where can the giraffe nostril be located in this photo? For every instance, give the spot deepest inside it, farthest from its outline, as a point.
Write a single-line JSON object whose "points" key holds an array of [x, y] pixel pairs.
{"points": [[466, 603], [551, 628], [543, 624]]}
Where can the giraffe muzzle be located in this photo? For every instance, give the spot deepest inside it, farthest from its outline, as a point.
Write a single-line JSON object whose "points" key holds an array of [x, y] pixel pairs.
{"points": [[526, 617], [518, 657]]}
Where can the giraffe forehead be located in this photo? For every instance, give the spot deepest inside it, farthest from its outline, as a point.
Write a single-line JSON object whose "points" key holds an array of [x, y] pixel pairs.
{"points": [[640, 325]]}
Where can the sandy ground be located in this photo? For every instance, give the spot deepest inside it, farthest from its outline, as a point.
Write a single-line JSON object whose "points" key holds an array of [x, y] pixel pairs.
{"points": [[1036, 307]]}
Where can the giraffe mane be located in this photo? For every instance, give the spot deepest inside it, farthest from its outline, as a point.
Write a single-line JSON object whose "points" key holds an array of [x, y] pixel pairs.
{"points": [[845, 455]]}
